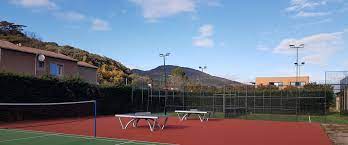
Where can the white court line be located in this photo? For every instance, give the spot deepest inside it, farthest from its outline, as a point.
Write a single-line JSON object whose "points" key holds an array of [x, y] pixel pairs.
{"points": [[87, 137], [124, 143], [9, 140]]}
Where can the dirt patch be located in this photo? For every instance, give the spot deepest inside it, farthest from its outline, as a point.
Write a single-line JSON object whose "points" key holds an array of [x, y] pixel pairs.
{"points": [[338, 133]]}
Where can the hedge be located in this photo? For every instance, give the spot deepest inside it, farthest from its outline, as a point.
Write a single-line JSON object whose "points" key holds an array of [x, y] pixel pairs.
{"points": [[16, 88]]}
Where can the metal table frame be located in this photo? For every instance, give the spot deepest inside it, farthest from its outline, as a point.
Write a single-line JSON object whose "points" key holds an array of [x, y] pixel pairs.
{"points": [[152, 120], [184, 114]]}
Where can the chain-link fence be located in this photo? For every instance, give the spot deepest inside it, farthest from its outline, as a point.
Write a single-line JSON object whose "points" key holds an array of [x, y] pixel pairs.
{"points": [[339, 82], [245, 102]]}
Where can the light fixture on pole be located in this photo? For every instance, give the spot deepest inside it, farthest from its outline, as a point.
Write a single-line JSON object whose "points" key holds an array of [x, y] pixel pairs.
{"points": [[164, 67], [202, 68], [299, 68], [297, 64]]}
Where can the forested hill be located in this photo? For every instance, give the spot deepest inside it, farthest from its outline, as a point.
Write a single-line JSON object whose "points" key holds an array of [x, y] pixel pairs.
{"points": [[110, 71], [194, 76]]}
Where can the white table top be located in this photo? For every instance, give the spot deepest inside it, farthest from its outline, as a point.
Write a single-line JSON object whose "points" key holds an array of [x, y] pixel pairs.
{"points": [[191, 111]]}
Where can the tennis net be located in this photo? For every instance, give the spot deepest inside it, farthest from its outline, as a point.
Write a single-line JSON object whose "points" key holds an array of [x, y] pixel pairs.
{"points": [[63, 117]]}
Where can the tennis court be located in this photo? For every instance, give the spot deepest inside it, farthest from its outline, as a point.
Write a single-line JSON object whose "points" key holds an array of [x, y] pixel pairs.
{"points": [[188, 132], [25, 137]]}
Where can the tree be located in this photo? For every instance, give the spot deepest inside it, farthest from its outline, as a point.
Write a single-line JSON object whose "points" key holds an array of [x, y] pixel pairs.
{"points": [[139, 81], [8, 28], [178, 78]]}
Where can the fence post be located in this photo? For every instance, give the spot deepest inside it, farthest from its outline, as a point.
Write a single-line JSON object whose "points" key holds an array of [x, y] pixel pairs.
{"points": [[270, 103], [165, 101], [142, 95], [132, 97], [95, 118], [224, 101], [263, 101], [148, 100], [281, 101], [254, 99], [297, 104], [246, 102], [183, 98], [213, 104]]}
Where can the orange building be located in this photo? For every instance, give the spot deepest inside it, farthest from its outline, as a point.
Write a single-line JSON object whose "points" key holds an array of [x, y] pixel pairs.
{"points": [[282, 81]]}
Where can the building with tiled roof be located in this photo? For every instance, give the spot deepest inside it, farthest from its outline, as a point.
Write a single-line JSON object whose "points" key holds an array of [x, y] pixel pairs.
{"points": [[31, 61]]}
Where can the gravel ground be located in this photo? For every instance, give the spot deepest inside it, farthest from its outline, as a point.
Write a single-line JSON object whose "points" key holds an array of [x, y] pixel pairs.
{"points": [[338, 133]]}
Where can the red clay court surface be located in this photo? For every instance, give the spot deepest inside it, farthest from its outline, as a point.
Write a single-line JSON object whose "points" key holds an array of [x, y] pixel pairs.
{"points": [[194, 132]]}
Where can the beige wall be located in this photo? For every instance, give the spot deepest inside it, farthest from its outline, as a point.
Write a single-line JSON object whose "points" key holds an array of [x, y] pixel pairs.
{"points": [[17, 62], [24, 63], [88, 74], [70, 68], [342, 101], [285, 80]]}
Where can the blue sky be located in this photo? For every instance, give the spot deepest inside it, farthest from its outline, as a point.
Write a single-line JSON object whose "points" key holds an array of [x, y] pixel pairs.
{"points": [[238, 40]]}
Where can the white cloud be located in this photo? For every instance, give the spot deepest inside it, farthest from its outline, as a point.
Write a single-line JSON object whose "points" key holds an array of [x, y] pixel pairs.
{"points": [[70, 16], [154, 9], [206, 30], [204, 39], [312, 14], [262, 47], [35, 3], [203, 42], [311, 8], [317, 49], [100, 25], [299, 5], [214, 3]]}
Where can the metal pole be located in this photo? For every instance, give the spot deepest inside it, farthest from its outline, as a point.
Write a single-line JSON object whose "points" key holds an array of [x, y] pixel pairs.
{"points": [[132, 97], [246, 102], [95, 118], [297, 64], [281, 101], [165, 72], [224, 100], [183, 98], [148, 100], [254, 99], [142, 94], [270, 102], [263, 101], [214, 103]]}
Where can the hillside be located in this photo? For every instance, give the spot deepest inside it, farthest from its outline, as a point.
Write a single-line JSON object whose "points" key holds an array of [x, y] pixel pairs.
{"points": [[110, 71], [194, 76]]}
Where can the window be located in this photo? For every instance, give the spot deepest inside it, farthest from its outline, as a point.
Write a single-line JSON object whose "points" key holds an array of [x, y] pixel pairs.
{"points": [[278, 84], [56, 69], [297, 83]]}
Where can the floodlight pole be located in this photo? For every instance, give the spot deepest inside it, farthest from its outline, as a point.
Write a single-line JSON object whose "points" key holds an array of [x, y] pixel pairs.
{"points": [[297, 62], [164, 67], [202, 68], [165, 80], [297, 76]]}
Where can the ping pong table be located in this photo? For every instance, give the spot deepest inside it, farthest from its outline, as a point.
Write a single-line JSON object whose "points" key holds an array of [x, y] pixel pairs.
{"points": [[152, 120], [184, 114]]}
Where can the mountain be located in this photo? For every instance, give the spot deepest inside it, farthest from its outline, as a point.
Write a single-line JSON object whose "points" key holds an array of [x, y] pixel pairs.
{"points": [[193, 75]]}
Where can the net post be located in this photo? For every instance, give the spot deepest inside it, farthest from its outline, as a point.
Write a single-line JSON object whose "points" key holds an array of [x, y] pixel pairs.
{"points": [[95, 118]]}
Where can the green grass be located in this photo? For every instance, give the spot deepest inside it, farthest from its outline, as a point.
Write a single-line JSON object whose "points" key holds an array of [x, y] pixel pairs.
{"points": [[334, 118], [21, 137], [330, 118]]}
